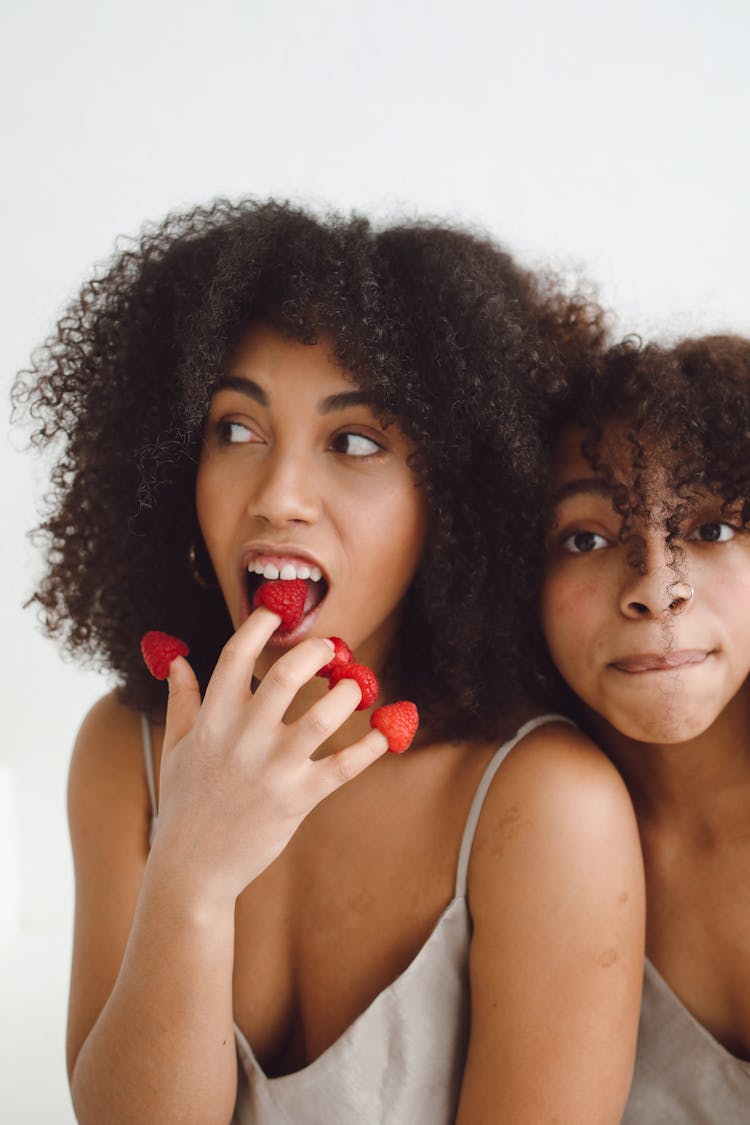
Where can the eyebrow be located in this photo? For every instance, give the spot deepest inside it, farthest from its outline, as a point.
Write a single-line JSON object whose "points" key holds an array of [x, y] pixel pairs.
{"points": [[583, 486], [329, 405]]}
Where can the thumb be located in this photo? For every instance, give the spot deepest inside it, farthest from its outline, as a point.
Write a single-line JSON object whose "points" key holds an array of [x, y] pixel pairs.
{"points": [[183, 704]]}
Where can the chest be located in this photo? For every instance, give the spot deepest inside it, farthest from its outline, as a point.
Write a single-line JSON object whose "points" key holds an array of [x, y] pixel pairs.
{"points": [[346, 909], [698, 937]]}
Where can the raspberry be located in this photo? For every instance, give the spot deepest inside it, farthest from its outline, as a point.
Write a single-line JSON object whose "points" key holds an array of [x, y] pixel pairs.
{"points": [[342, 654], [364, 676], [287, 598], [159, 650], [398, 722]]}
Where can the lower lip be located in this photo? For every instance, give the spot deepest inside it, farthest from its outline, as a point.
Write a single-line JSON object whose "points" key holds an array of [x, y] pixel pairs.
{"points": [[681, 666], [283, 641]]}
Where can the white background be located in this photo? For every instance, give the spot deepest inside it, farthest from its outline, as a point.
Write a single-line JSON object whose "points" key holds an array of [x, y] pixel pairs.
{"points": [[609, 140]]}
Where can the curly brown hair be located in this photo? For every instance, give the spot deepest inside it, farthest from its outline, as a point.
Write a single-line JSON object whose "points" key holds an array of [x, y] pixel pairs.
{"points": [[689, 405], [448, 335]]}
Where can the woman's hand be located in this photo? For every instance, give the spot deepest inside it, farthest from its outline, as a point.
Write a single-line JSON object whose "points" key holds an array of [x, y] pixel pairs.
{"points": [[236, 781]]}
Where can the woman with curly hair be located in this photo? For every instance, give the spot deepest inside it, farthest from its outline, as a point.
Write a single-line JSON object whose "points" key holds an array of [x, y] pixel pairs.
{"points": [[646, 609], [276, 920]]}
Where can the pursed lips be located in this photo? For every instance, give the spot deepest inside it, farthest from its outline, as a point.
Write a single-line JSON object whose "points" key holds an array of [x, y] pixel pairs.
{"points": [[660, 662]]}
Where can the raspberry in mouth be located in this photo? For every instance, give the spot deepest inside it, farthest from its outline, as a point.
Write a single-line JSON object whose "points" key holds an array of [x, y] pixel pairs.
{"points": [[291, 589]]}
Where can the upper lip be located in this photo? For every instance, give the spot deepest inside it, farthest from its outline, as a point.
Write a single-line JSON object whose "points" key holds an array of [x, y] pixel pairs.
{"points": [[285, 552], [661, 661]]}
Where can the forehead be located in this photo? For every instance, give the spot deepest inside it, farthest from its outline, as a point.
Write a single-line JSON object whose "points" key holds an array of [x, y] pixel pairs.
{"points": [[266, 353], [625, 462]]}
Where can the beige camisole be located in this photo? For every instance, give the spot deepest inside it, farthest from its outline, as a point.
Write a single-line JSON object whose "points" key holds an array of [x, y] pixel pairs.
{"points": [[683, 1076], [401, 1062]]}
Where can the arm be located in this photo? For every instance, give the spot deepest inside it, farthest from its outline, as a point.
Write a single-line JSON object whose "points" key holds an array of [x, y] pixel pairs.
{"points": [[150, 1033], [556, 892]]}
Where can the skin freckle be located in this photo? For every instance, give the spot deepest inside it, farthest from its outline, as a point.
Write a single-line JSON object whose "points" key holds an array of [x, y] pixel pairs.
{"points": [[608, 958], [509, 822], [507, 827], [623, 898]]}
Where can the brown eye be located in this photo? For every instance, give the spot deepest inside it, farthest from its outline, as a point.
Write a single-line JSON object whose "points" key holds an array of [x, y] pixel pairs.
{"points": [[234, 433], [714, 532], [583, 542], [354, 445]]}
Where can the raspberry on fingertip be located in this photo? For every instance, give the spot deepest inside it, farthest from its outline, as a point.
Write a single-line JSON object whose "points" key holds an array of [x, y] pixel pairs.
{"points": [[342, 654], [159, 650], [363, 676], [398, 722]]}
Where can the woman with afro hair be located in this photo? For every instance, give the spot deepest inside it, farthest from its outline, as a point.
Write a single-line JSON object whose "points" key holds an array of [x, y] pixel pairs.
{"points": [[275, 919], [646, 610]]}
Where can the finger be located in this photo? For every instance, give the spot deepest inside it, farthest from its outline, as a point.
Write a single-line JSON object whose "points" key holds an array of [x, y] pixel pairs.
{"points": [[183, 704], [324, 718], [335, 770], [288, 674], [231, 677]]}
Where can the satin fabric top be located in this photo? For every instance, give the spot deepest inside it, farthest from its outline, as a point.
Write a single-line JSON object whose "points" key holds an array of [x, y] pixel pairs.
{"points": [[401, 1062], [683, 1076]]}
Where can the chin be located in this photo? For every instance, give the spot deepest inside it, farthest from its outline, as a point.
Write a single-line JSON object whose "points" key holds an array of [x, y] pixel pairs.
{"points": [[667, 729]]}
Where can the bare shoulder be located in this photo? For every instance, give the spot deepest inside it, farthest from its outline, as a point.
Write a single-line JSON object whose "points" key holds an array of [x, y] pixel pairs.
{"points": [[557, 780], [107, 766], [557, 807], [109, 815], [556, 892]]}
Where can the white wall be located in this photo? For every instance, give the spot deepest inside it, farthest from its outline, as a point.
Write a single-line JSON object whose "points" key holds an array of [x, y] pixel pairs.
{"points": [[606, 138]]}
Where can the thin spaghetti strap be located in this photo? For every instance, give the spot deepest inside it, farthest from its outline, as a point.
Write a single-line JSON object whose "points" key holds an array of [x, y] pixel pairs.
{"points": [[493, 765], [148, 758]]}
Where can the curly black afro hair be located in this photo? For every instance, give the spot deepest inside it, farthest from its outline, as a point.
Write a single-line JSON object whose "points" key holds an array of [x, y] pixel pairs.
{"points": [[687, 405], [440, 326]]}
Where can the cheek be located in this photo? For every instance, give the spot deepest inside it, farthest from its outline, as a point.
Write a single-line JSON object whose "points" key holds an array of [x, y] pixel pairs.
{"points": [[570, 612], [397, 514], [210, 503], [410, 520]]}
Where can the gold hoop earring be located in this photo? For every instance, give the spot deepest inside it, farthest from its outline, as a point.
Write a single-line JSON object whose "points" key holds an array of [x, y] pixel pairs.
{"points": [[195, 571]]}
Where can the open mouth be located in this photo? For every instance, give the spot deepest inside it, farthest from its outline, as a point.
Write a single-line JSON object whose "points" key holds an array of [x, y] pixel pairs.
{"points": [[268, 568]]}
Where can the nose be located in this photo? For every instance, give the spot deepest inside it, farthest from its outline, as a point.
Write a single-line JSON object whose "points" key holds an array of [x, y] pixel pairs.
{"points": [[655, 592], [284, 490]]}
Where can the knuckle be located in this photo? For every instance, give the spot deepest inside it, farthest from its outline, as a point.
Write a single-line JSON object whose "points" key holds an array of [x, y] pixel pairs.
{"points": [[280, 678], [233, 649], [318, 724], [343, 769]]}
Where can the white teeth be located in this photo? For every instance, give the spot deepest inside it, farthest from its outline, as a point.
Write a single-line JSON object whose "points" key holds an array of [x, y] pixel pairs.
{"points": [[289, 571]]}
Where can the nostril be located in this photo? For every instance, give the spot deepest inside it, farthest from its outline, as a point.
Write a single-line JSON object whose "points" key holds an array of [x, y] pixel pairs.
{"points": [[682, 592], [639, 608]]}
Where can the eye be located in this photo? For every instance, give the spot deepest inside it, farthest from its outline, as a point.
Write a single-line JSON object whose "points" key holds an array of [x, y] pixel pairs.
{"points": [[714, 532], [234, 433], [355, 445], [584, 542]]}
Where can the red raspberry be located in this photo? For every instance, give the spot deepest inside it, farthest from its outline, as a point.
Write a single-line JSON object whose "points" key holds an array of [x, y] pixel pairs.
{"points": [[285, 597], [342, 654], [364, 676], [398, 722], [159, 650]]}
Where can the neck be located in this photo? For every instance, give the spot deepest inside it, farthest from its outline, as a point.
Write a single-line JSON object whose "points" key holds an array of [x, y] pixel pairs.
{"points": [[704, 782]]}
